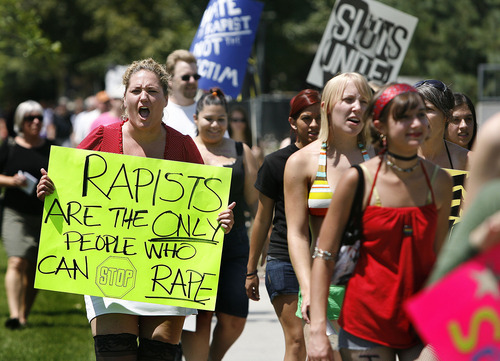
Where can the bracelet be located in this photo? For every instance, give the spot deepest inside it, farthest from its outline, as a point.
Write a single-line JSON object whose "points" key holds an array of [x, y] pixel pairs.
{"points": [[251, 274], [319, 253]]}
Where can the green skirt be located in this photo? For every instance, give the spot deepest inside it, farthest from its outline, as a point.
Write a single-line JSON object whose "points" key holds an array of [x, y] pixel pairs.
{"points": [[335, 299]]}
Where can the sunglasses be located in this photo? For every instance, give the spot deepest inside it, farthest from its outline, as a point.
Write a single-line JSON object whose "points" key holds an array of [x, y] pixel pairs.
{"points": [[438, 84], [31, 118], [186, 77]]}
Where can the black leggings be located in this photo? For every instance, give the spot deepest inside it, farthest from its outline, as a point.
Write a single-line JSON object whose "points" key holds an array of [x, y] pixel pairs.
{"points": [[123, 347]]}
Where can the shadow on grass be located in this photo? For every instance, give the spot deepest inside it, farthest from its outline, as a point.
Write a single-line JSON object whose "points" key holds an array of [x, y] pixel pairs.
{"points": [[47, 324], [59, 312]]}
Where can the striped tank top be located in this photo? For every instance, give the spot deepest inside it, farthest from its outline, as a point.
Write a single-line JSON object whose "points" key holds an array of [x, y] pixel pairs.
{"points": [[320, 193]]}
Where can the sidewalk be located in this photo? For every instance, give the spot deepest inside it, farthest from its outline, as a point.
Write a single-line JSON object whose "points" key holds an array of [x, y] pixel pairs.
{"points": [[262, 339]]}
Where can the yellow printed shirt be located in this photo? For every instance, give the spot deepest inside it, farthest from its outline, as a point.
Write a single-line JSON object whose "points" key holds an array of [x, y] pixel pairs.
{"points": [[459, 193]]}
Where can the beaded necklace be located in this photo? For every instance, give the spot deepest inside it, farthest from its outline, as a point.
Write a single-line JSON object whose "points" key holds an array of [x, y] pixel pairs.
{"points": [[398, 168], [364, 152]]}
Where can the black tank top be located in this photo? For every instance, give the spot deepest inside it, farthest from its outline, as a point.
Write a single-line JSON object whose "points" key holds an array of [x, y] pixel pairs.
{"points": [[237, 193]]}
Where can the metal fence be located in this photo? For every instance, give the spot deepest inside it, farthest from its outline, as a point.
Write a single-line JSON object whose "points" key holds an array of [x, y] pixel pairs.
{"points": [[268, 114]]}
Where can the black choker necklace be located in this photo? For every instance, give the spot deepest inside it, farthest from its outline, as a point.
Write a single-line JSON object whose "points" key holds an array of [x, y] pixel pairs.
{"points": [[400, 157]]}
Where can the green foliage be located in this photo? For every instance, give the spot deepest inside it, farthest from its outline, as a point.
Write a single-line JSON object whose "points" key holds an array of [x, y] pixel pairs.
{"points": [[65, 47], [292, 36], [25, 51], [452, 38]]}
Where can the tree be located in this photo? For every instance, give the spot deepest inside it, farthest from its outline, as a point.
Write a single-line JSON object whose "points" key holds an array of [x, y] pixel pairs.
{"points": [[99, 34], [452, 38], [27, 56]]}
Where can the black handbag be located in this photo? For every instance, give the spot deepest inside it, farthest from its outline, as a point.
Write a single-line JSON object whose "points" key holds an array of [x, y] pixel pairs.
{"points": [[348, 255]]}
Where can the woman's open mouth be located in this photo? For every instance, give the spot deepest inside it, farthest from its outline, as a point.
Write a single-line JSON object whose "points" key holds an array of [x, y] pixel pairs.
{"points": [[144, 112]]}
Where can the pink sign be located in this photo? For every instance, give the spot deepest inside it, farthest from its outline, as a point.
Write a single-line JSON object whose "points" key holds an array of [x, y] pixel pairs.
{"points": [[460, 315]]}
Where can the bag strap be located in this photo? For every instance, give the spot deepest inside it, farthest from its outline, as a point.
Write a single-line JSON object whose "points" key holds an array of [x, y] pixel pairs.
{"points": [[357, 204], [353, 229]]}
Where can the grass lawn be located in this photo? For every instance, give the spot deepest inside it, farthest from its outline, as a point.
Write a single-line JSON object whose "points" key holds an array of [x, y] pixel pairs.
{"points": [[57, 328]]}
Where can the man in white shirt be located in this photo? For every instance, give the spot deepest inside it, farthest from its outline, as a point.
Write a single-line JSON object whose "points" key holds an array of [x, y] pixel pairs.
{"points": [[178, 114], [95, 105]]}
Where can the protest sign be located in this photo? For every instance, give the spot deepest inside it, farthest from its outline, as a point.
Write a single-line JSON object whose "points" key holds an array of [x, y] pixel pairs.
{"points": [[363, 36], [223, 43], [460, 315], [133, 228]]}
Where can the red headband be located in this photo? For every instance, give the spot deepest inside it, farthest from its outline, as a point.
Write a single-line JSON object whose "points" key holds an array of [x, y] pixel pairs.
{"points": [[389, 94]]}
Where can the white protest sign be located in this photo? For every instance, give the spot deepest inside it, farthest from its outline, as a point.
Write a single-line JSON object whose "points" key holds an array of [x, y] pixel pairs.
{"points": [[363, 36]]}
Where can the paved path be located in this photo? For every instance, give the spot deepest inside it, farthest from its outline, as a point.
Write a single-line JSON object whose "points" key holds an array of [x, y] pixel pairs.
{"points": [[262, 339]]}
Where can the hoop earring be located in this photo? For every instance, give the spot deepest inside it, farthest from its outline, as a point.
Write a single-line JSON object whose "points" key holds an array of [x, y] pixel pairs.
{"points": [[123, 108]]}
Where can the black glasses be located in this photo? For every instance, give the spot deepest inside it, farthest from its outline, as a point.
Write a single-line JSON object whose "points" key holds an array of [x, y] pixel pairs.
{"points": [[237, 120], [188, 76], [438, 84], [31, 118]]}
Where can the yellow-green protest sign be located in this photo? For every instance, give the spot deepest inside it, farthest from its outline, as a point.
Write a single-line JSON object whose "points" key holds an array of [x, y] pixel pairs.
{"points": [[134, 228]]}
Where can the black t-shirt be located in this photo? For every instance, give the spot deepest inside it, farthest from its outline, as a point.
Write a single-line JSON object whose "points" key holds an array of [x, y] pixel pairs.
{"points": [[270, 183], [13, 158]]}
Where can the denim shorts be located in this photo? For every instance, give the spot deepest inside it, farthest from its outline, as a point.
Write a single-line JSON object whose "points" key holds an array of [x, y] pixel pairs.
{"points": [[351, 342], [280, 278]]}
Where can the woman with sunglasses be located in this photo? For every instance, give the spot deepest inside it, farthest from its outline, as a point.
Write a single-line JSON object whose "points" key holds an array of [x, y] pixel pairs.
{"points": [[239, 129], [281, 282], [20, 161], [439, 102], [406, 205], [313, 173], [462, 127]]}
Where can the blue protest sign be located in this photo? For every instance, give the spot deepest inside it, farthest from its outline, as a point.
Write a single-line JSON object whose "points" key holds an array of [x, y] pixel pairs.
{"points": [[223, 43]]}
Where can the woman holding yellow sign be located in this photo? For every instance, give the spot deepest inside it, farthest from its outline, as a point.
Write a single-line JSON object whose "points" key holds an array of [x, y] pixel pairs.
{"points": [[116, 324]]}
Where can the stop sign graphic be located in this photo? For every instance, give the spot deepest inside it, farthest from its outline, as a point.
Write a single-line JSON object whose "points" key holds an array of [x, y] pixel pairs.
{"points": [[115, 276]]}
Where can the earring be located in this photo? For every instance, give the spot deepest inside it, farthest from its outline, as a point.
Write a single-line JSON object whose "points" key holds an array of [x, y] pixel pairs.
{"points": [[383, 138]]}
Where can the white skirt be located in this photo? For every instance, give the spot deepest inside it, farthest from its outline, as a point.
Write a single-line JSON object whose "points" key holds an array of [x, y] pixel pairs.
{"points": [[97, 306]]}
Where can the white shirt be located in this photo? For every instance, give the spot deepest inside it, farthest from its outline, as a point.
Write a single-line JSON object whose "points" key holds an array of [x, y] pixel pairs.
{"points": [[97, 306], [180, 118], [81, 126]]}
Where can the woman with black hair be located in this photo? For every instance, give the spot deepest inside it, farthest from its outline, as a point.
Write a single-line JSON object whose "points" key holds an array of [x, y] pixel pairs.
{"points": [[461, 129], [281, 282], [439, 103], [231, 308]]}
